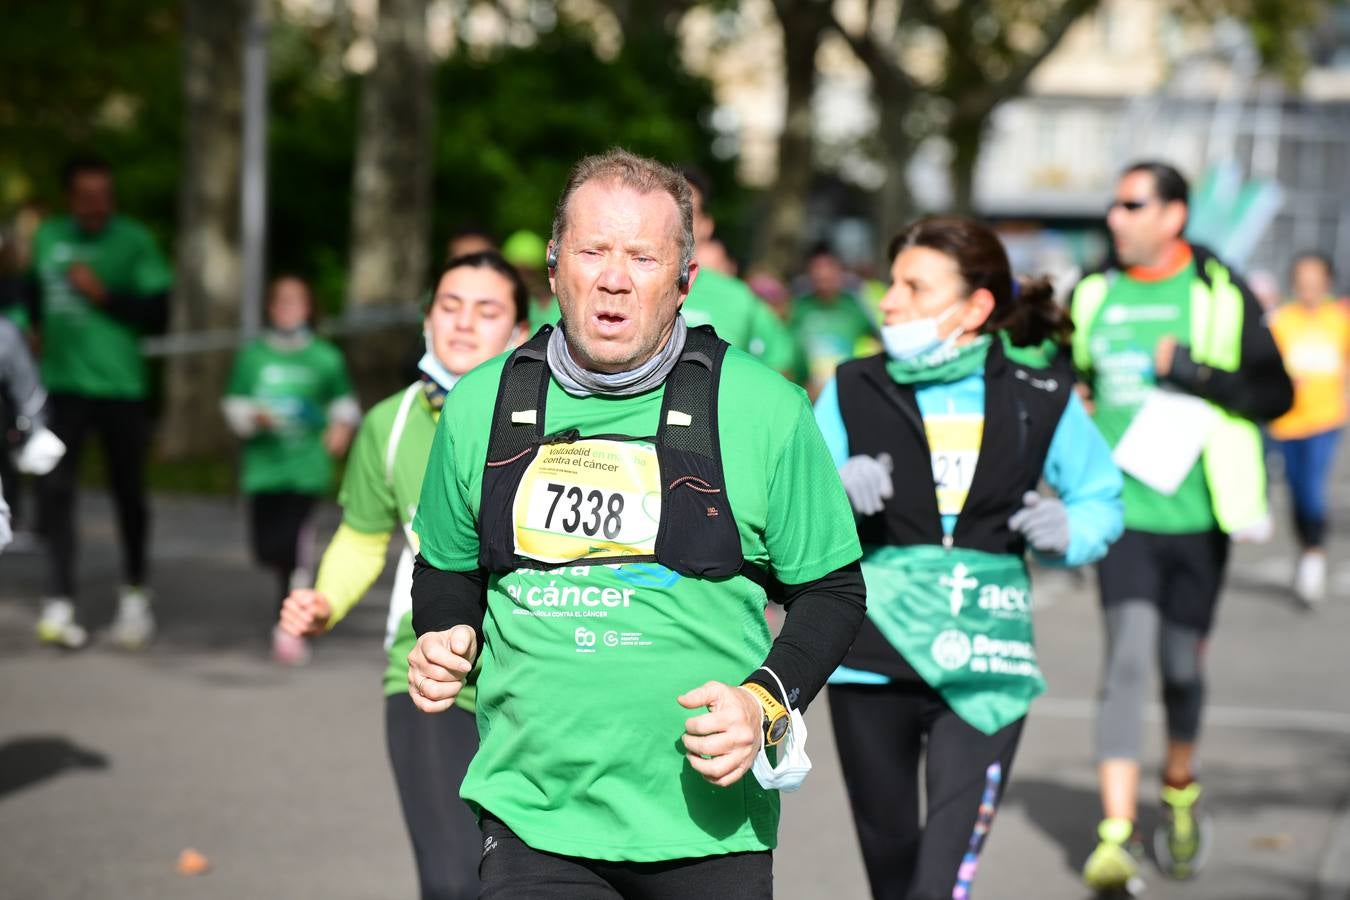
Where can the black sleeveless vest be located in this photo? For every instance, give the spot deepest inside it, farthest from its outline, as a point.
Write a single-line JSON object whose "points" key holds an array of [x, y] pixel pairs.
{"points": [[697, 534]]}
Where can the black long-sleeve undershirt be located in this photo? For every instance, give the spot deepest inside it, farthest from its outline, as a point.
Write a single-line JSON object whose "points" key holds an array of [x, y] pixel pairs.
{"points": [[1260, 389], [148, 313], [441, 600], [820, 621], [821, 618]]}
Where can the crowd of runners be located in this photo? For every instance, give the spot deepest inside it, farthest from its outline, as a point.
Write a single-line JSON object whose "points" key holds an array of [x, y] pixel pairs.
{"points": [[615, 457]]}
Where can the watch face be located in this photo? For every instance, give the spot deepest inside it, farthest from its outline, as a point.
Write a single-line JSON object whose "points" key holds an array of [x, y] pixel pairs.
{"points": [[778, 729]]}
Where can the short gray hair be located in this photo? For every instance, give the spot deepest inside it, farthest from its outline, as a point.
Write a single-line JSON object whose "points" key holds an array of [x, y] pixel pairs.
{"points": [[640, 174]]}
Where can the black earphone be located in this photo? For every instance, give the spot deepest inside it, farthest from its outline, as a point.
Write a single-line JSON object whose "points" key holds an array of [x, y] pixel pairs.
{"points": [[552, 261]]}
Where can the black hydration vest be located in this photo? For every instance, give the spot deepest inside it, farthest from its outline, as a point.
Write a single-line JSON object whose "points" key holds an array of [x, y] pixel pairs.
{"points": [[1022, 409], [697, 533]]}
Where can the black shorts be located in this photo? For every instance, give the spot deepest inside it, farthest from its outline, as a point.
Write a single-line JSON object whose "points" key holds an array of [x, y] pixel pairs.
{"points": [[1181, 574], [512, 870]]}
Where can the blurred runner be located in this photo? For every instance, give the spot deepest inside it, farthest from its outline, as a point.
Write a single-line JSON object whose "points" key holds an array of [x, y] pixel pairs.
{"points": [[946, 658], [577, 527], [25, 441], [829, 325], [290, 401], [478, 310], [469, 238], [1313, 333], [1174, 317], [725, 302], [98, 283]]}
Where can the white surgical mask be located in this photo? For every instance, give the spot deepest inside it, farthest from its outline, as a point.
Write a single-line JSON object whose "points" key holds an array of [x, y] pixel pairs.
{"points": [[793, 763], [918, 337], [433, 367]]}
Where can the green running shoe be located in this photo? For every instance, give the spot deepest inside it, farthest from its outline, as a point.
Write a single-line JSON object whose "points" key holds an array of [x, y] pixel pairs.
{"points": [[1183, 838], [1113, 868]]}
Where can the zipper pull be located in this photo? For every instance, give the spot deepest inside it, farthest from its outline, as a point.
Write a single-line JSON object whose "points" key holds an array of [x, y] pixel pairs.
{"points": [[571, 435]]}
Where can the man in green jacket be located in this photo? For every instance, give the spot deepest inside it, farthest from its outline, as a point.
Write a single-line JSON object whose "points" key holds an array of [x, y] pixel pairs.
{"points": [[98, 283], [1166, 338]]}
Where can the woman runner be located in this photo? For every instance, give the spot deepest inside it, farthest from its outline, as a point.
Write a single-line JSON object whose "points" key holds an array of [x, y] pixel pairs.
{"points": [[479, 309], [968, 390]]}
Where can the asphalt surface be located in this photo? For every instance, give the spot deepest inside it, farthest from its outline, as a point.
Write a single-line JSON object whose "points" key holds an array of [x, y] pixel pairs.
{"points": [[111, 764]]}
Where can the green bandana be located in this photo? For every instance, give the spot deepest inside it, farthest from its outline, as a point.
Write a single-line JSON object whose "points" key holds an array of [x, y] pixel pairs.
{"points": [[948, 364]]}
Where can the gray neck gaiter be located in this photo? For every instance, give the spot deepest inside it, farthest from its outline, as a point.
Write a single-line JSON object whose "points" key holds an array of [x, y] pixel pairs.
{"points": [[580, 382]]}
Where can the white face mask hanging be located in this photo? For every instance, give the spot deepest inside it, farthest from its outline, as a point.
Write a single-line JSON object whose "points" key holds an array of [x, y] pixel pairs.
{"points": [[793, 763]]}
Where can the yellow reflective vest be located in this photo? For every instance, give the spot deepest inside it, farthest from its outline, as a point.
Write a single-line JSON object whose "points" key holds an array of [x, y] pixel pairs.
{"points": [[1233, 457]]}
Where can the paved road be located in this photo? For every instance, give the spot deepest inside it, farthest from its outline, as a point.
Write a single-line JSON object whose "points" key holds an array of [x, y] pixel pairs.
{"points": [[111, 764]]}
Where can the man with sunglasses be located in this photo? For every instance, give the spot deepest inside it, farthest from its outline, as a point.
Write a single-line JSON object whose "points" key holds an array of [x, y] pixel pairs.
{"points": [[1168, 315]]}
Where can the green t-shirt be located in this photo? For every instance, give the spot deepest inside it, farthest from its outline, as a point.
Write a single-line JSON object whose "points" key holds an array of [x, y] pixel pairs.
{"points": [[581, 665], [829, 334], [85, 351], [295, 386], [379, 493], [739, 318], [1122, 338], [730, 307]]}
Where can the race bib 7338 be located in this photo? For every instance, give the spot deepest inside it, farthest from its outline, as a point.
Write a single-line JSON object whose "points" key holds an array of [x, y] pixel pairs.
{"points": [[589, 499]]}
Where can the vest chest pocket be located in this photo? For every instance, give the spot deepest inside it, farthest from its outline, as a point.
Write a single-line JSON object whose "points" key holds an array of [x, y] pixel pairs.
{"points": [[589, 499]]}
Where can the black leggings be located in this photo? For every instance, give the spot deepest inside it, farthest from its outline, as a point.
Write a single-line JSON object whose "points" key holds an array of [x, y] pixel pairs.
{"points": [[429, 755], [880, 730], [278, 528], [122, 427], [512, 870]]}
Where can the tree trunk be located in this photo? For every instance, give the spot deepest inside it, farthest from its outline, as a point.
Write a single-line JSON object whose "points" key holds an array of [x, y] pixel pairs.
{"points": [[391, 189], [895, 202], [207, 281], [964, 137], [785, 218]]}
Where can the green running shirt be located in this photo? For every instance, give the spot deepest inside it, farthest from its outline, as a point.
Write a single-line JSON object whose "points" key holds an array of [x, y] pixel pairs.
{"points": [[85, 351], [582, 665]]}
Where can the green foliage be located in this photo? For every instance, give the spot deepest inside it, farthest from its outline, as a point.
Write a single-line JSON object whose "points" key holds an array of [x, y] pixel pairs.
{"points": [[311, 144], [91, 77], [510, 127], [106, 77], [1278, 28]]}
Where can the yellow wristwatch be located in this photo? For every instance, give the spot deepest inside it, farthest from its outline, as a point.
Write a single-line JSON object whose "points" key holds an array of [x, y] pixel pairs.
{"points": [[776, 717]]}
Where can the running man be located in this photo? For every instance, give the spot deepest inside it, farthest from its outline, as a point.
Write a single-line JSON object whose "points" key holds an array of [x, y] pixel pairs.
{"points": [[100, 283], [1173, 316], [600, 512], [829, 324]]}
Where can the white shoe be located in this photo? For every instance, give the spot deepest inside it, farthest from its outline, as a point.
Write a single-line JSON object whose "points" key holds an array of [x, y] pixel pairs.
{"points": [[1310, 578], [57, 624], [133, 627]]}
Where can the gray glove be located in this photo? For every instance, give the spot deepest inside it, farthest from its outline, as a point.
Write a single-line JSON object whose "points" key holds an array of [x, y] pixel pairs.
{"points": [[1044, 521], [867, 481]]}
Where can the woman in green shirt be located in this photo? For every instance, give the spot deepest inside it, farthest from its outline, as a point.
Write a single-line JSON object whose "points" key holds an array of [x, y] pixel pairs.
{"points": [[479, 309], [290, 401]]}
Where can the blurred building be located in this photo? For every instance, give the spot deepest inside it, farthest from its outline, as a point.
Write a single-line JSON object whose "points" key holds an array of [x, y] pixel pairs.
{"points": [[1128, 81]]}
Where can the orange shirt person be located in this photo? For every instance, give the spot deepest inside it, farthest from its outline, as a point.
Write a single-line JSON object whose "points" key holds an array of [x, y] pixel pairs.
{"points": [[1313, 334]]}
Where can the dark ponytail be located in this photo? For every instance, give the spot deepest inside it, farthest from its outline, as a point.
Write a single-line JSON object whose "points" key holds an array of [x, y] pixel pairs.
{"points": [[1025, 309], [1034, 316]]}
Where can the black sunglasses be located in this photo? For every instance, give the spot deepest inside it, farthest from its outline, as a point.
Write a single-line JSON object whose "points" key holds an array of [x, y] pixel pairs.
{"points": [[1129, 205]]}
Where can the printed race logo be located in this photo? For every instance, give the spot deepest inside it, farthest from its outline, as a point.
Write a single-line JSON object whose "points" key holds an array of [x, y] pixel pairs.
{"points": [[585, 637], [951, 649]]}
